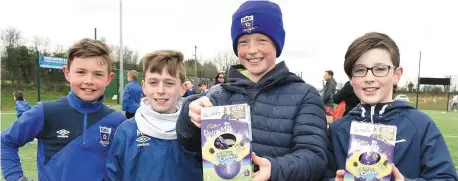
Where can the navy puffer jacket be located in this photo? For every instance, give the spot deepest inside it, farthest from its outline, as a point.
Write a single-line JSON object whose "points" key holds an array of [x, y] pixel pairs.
{"points": [[288, 122]]}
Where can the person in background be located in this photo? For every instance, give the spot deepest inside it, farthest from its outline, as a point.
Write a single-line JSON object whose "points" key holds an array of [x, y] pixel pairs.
{"points": [[455, 103], [329, 89], [132, 95], [203, 87], [348, 95], [219, 78], [189, 88], [21, 105]]}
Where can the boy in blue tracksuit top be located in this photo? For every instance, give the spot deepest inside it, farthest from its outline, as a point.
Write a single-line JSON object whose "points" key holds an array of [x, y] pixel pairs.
{"points": [[21, 105], [203, 87], [420, 153], [73, 132], [145, 148], [132, 95]]}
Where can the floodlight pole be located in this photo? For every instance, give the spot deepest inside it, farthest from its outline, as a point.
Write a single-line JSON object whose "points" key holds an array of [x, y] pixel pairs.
{"points": [[418, 81]]}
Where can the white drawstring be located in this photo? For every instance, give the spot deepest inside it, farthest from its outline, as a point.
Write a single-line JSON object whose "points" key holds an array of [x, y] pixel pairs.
{"points": [[383, 109], [363, 112], [372, 114]]}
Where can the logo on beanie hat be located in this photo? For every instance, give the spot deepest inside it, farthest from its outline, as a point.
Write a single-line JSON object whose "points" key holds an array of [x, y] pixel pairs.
{"points": [[248, 23]]}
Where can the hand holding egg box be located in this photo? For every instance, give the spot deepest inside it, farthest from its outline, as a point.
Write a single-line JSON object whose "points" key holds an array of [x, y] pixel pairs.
{"points": [[226, 143]]}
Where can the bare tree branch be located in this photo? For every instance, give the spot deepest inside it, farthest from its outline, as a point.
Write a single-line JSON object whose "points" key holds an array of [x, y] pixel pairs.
{"points": [[10, 37], [59, 48], [41, 44], [225, 60]]}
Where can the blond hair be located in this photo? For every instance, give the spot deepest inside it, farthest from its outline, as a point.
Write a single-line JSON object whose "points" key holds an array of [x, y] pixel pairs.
{"points": [[133, 74]]}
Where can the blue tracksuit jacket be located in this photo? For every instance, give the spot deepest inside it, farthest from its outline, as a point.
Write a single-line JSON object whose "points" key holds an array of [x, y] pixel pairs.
{"points": [[73, 139]]}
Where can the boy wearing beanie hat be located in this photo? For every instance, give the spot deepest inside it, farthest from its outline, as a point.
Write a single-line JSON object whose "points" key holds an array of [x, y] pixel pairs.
{"points": [[288, 116]]}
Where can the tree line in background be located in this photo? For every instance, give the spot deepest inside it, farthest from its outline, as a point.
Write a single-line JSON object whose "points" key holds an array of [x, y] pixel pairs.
{"points": [[411, 87], [19, 62], [435, 89]]}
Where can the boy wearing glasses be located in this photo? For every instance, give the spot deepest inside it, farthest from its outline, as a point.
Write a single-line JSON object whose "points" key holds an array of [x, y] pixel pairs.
{"points": [[372, 64]]}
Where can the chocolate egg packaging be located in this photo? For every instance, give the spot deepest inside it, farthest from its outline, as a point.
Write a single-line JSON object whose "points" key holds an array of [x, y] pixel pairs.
{"points": [[226, 143], [370, 152]]}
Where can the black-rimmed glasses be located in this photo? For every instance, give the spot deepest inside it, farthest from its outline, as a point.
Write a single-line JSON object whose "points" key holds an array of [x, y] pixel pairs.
{"points": [[378, 71]]}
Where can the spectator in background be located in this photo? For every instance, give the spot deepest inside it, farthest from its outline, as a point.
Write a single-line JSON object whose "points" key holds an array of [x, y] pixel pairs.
{"points": [[189, 86], [21, 105], [348, 95], [455, 103], [132, 95], [219, 78], [329, 89], [203, 88]]}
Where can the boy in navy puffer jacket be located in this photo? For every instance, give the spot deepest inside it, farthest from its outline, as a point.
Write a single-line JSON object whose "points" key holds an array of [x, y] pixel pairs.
{"points": [[372, 64], [288, 117]]}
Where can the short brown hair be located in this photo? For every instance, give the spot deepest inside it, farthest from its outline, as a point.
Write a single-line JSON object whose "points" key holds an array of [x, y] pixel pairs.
{"points": [[133, 74], [368, 42], [170, 59], [90, 48], [330, 72], [202, 82], [18, 94]]}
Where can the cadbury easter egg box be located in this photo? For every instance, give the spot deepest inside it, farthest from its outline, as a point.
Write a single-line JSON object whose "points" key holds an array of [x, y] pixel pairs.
{"points": [[370, 152], [226, 143]]}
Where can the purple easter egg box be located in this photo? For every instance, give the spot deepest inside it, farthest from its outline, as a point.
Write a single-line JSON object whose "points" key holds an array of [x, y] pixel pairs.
{"points": [[226, 143], [370, 152]]}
